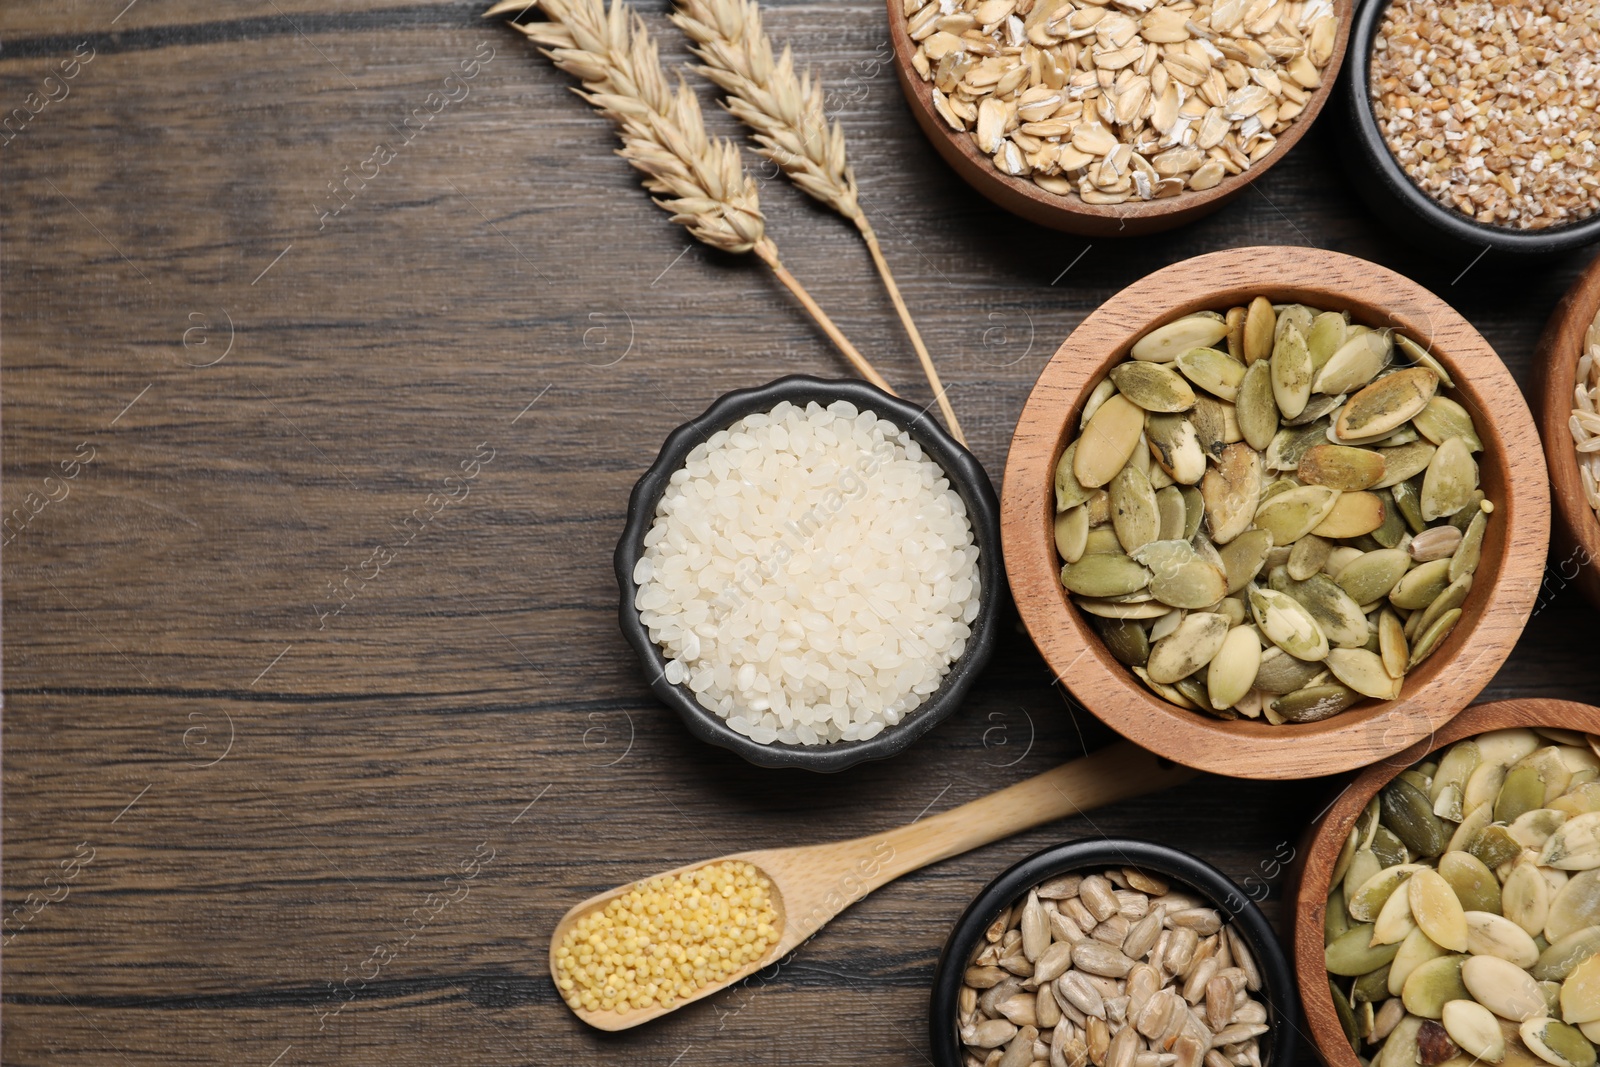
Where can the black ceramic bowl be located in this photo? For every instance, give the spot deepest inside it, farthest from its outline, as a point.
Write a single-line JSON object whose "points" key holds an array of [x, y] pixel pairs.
{"points": [[1404, 208], [967, 477], [1277, 981]]}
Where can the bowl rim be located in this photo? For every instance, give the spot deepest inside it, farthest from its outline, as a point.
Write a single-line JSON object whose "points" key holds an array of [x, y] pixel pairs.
{"points": [[1013, 883], [1310, 877], [1398, 184], [967, 477], [1556, 371], [1023, 196], [1514, 550]]}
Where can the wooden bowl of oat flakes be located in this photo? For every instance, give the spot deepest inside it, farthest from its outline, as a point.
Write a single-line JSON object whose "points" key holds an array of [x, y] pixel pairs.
{"points": [[1480, 622], [1115, 120], [1569, 422]]}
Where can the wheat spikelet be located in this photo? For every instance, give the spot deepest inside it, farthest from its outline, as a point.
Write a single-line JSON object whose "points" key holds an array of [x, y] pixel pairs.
{"points": [[784, 111], [699, 180]]}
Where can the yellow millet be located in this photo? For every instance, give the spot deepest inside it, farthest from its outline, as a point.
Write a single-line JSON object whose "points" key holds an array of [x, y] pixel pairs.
{"points": [[667, 938]]}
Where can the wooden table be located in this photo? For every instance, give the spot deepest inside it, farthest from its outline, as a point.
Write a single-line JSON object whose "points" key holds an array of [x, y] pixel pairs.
{"points": [[273, 796]]}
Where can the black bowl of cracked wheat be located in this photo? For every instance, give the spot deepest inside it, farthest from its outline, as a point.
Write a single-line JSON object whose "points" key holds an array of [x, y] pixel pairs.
{"points": [[1475, 124]]}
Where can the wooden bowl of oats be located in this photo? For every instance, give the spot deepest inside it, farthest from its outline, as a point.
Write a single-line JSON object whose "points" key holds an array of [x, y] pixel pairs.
{"points": [[1573, 335], [1345, 623], [1100, 121]]}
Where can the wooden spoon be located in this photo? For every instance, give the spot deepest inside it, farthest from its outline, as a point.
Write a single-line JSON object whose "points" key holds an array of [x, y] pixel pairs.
{"points": [[813, 883]]}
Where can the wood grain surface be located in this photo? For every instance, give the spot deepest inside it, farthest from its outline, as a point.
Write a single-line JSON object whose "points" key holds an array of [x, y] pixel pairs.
{"points": [[309, 737], [1576, 529]]}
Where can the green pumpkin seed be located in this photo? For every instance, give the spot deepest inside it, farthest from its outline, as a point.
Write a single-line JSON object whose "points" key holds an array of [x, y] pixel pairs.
{"points": [[1557, 961], [1495, 846], [1372, 576], [1437, 910], [1291, 371], [1372, 987], [1370, 898], [1292, 514], [1433, 985], [1474, 1029], [1108, 441], [1574, 906], [1423, 358], [1212, 370], [1327, 334], [1125, 640], [1243, 558], [1356, 363], [1408, 498], [1478, 817], [1391, 533], [1463, 518], [1291, 443], [1408, 812], [1557, 1043], [1495, 935], [1104, 390], [1196, 641], [1414, 951], [1166, 692], [1216, 425], [1232, 492], [1317, 408], [1194, 688], [1433, 637], [1335, 920], [1099, 505], [1386, 404], [1233, 669], [1451, 480], [1575, 845], [1392, 647], [1069, 492], [1315, 703], [1103, 576], [1338, 616], [1534, 828], [1282, 673], [1404, 462], [1352, 515], [1176, 447], [1387, 847], [1400, 1049], [1110, 609], [1443, 419], [1352, 953], [1101, 541], [1072, 533], [1455, 767], [1473, 884], [1364, 672], [1346, 1015], [1153, 386], [1288, 625], [1260, 326], [1502, 987], [1165, 343], [1235, 610], [1341, 467], [1308, 556], [1173, 511], [1134, 514], [1256, 409], [1522, 791], [1421, 586], [1454, 595], [1194, 511], [1466, 557]]}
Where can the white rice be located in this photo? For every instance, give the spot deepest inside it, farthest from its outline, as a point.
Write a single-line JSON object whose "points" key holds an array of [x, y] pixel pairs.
{"points": [[810, 574]]}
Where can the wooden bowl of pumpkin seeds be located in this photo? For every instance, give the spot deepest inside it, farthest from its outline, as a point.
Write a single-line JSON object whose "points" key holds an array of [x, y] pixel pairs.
{"points": [[1259, 513], [1448, 901]]}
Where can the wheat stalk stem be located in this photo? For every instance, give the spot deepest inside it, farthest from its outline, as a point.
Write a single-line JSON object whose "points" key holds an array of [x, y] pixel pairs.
{"points": [[784, 111], [700, 181]]}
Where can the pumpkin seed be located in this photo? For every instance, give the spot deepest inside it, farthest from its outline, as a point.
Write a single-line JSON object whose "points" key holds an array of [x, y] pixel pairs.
{"points": [[1196, 641], [1443, 419], [1413, 952], [1525, 898], [1363, 672], [1291, 443], [1327, 334], [1575, 845], [1433, 985], [1212, 370], [1478, 817], [1339, 617], [1101, 541], [1574, 906], [1316, 408], [1454, 595], [1308, 556], [1372, 986], [1282, 673], [1243, 558], [1176, 447], [1437, 911], [1099, 505], [1420, 586], [1108, 441], [1291, 371], [1466, 556], [1451, 480], [1153, 386], [1352, 515], [1474, 1027], [1423, 358], [1495, 846], [1404, 462], [1463, 518], [1233, 669], [1346, 1015], [1357, 362], [1394, 921], [1392, 647], [1400, 1049], [1235, 323], [1522, 791], [1288, 625], [1179, 577], [1232, 492], [1194, 510], [1580, 992], [1255, 408], [1072, 533], [1165, 343], [1502, 987], [1292, 514], [1104, 575], [1408, 498], [1532, 829], [1134, 514], [1408, 812], [1260, 324], [1386, 404], [1495, 935], [1297, 315], [1110, 609], [1474, 884], [1341, 467], [1557, 1043], [1559, 960], [1173, 511], [1104, 390], [1315, 703], [1352, 953], [1216, 425], [1069, 492], [1374, 575]]}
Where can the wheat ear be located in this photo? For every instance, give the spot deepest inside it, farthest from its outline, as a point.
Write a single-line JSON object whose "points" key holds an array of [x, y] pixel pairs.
{"points": [[784, 110], [699, 180]]}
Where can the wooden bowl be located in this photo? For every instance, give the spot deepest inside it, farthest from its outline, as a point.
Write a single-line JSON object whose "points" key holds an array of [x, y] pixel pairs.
{"points": [[1508, 579], [1021, 196], [1310, 876], [1575, 555]]}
